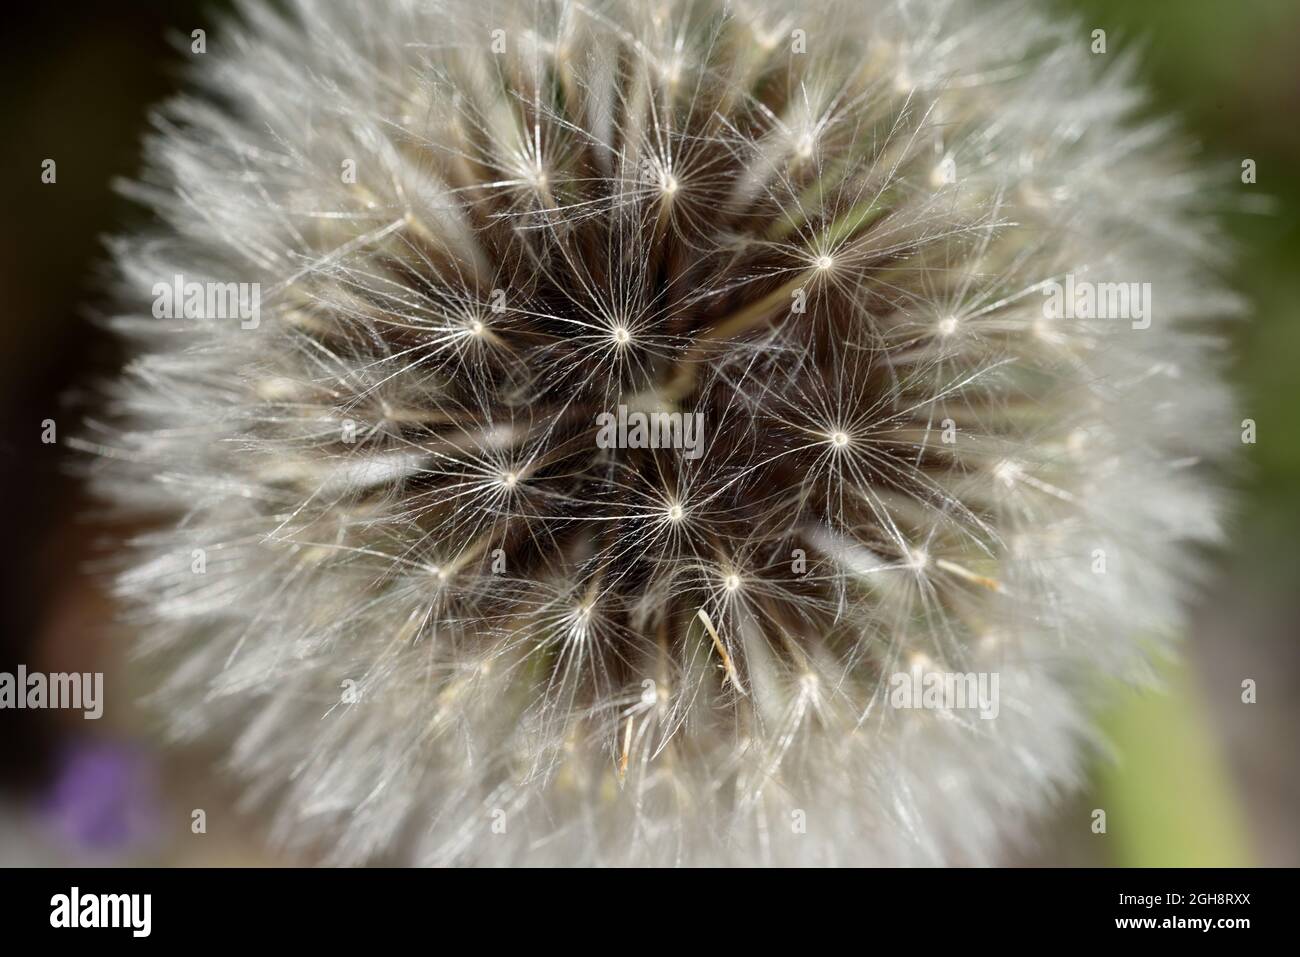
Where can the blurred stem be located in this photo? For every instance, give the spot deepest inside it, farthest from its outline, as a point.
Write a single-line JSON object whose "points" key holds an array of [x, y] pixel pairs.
{"points": [[1169, 796]]}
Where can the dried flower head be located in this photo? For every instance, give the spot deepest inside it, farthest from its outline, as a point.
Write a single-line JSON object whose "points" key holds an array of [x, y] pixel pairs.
{"points": [[582, 429]]}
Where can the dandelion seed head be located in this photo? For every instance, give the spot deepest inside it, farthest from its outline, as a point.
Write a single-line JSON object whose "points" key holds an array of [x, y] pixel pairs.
{"points": [[477, 226]]}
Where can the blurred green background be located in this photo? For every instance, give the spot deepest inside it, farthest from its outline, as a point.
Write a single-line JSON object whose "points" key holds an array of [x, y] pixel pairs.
{"points": [[1194, 775]]}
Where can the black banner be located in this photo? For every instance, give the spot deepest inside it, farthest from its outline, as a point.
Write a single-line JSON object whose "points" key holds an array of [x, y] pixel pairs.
{"points": [[975, 907]]}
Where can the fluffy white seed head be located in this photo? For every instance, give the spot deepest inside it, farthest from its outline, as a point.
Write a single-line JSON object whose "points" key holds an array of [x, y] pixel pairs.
{"points": [[440, 622]]}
